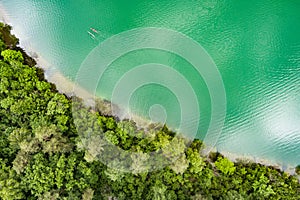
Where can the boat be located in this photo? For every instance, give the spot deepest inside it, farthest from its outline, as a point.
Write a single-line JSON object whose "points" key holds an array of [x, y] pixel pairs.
{"points": [[95, 30], [91, 34]]}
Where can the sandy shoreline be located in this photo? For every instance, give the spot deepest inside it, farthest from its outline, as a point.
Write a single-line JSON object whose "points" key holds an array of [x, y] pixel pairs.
{"points": [[66, 86], [236, 157], [63, 84]]}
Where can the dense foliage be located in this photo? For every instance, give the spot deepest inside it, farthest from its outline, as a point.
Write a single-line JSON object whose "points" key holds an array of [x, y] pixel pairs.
{"points": [[44, 156]]}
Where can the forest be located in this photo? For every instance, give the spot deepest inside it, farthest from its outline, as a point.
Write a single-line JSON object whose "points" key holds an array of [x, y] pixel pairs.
{"points": [[48, 153]]}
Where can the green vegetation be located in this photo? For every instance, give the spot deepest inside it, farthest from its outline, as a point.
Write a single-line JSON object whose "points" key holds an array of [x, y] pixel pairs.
{"points": [[44, 156], [297, 170]]}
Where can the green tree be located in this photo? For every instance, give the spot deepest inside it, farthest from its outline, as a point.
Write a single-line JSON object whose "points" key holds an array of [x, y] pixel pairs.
{"points": [[225, 166], [12, 55], [158, 191], [88, 194], [66, 173], [18, 136], [52, 140], [180, 165], [297, 169], [261, 186], [21, 161], [197, 162], [2, 45], [52, 195], [10, 187]]}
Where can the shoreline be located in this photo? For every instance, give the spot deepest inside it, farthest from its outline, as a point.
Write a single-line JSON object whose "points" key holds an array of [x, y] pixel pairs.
{"points": [[62, 83], [236, 157], [66, 86]]}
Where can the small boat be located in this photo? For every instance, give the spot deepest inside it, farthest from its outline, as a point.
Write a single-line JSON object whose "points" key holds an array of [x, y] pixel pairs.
{"points": [[91, 34], [94, 30]]}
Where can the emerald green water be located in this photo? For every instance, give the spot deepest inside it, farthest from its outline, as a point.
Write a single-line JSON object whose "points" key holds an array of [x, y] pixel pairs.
{"points": [[254, 44]]}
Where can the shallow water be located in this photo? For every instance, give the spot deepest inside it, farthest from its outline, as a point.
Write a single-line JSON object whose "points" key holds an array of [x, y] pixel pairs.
{"points": [[255, 46]]}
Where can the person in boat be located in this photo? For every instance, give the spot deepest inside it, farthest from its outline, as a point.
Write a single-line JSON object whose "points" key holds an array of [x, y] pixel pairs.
{"points": [[94, 30]]}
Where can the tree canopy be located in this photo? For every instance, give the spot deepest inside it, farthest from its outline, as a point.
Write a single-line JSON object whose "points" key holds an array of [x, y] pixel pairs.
{"points": [[43, 155]]}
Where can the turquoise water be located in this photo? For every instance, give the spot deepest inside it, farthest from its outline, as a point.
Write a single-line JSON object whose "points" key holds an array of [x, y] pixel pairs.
{"points": [[255, 45]]}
